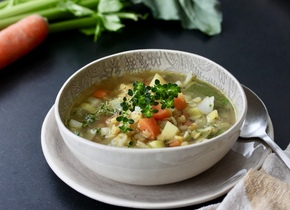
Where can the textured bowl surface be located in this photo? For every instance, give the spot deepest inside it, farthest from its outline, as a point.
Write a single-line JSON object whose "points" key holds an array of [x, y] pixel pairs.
{"points": [[150, 166]]}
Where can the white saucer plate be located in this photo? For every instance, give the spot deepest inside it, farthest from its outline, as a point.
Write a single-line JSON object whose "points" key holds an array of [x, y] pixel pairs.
{"points": [[213, 183]]}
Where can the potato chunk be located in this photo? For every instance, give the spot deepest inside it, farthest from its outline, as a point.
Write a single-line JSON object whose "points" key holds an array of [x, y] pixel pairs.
{"points": [[157, 76], [169, 131]]}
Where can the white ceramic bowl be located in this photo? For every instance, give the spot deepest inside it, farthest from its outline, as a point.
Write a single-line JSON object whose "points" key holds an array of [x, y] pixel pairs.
{"points": [[150, 166]]}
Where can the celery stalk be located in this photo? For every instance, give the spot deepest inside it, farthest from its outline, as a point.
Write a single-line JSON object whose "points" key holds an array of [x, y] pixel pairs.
{"points": [[27, 7], [3, 4], [51, 14], [78, 23]]}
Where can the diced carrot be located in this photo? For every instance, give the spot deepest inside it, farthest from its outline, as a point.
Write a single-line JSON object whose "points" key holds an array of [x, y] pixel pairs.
{"points": [[162, 113], [149, 125], [100, 93], [179, 102], [20, 38], [175, 143]]}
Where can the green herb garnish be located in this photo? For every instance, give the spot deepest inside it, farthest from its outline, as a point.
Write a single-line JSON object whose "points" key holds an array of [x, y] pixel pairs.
{"points": [[125, 122], [89, 118], [146, 97], [105, 109]]}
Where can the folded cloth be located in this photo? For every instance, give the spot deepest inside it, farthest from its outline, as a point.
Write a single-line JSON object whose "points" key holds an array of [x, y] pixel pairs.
{"points": [[266, 189]]}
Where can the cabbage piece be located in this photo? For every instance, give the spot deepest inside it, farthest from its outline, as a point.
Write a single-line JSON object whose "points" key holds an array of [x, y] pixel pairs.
{"points": [[206, 105], [74, 124]]}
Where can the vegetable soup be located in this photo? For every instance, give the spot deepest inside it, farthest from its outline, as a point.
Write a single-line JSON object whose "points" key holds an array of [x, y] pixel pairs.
{"points": [[151, 110]]}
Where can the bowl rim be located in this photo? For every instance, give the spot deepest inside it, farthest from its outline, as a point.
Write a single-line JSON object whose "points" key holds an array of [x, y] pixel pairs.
{"points": [[95, 145]]}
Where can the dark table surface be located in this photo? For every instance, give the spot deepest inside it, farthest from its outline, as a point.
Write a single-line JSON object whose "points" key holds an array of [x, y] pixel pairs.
{"points": [[254, 46]]}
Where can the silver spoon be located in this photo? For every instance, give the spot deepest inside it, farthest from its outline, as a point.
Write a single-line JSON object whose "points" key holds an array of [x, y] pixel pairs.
{"points": [[256, 123]]}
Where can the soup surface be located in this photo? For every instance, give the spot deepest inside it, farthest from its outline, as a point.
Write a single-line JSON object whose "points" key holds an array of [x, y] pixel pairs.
{"points": [[151, 110]]}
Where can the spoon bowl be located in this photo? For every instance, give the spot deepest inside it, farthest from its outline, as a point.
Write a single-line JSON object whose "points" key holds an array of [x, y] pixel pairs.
{"points": [[256, 123]]}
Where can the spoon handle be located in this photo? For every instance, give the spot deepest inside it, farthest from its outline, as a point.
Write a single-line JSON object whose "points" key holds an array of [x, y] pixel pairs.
{"points": [[279, 152]]}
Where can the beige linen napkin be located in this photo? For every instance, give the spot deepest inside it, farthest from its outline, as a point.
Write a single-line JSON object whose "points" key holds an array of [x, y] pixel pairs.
{"points": [[266, 189]]}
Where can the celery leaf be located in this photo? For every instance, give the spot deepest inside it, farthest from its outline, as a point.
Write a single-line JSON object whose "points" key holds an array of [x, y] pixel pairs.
{"points": [[109, 6], [203, 15], [76, 9]]}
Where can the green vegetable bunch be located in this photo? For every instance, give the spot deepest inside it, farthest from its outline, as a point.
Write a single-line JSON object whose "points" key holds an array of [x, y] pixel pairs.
{"points": [[146, 97], [93, 17]]}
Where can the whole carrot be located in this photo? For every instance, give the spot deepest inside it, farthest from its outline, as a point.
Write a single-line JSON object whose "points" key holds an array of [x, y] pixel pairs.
{"points": [[20, 38]]}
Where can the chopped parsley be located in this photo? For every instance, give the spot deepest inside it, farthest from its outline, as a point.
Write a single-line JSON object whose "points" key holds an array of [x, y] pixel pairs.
{"points": [[146, 97]]}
